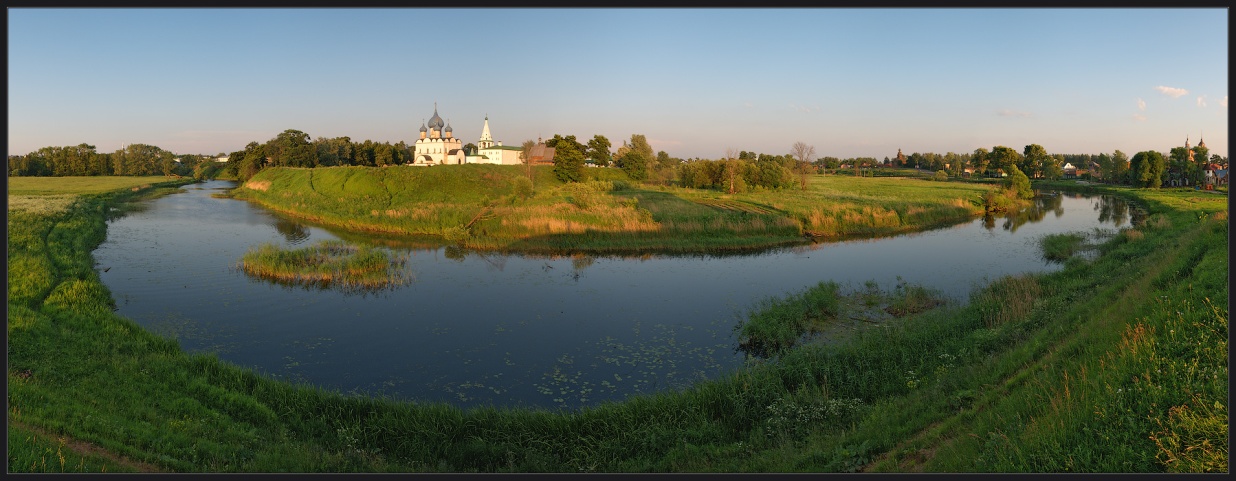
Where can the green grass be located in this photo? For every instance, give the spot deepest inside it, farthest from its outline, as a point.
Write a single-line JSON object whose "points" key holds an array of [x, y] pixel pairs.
{"points": [[476, 207], [327, 264], [1114, 364], [1060, 247]]}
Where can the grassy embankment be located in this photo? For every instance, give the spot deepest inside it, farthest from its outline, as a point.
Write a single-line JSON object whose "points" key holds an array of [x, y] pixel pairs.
{"points": [[476, 207], [1117, 364]]}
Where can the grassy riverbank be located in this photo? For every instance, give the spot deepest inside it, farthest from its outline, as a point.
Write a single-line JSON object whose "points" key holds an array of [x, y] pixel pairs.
{"points": [[476, 206], [1117, 364]]}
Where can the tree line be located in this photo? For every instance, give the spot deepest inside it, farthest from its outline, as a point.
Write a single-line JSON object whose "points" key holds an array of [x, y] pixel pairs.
{"points": [[738, 170]]}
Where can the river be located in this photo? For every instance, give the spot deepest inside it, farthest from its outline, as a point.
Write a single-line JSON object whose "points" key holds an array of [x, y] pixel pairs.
{"points": [[475, 329]]}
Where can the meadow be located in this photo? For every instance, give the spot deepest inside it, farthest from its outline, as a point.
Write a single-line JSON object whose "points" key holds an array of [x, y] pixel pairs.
{"points": [[1113, 364], [477, 207]]}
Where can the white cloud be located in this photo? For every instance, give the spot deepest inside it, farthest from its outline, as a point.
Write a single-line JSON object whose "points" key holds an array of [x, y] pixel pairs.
{"points": [[1011, 113], [1141, 104], [1139, 117], [1201, 101], [1223, 102], [804, 108], [748, 104], [1172, 92]]}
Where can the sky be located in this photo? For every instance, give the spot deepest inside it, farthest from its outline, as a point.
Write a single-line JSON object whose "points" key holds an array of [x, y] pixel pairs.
{"points": [[849, 82]]}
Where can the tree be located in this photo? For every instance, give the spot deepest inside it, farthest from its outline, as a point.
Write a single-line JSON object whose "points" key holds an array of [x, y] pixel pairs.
{"points": [[1053, 167], [803, 153], [665, 167], [1120, 166], [634, 163], [568, 160], [1201, 157], [469, 148], [291, 148], [634, 157], [525, 154], [1219, 160], [383, 154], [732, 172], [953, 162], [1034, 159], [1018, 182], [334, 151], [638, 143], [1104, 162], [1146, 169], [598, 151], [979, 161], [558, 140], [253, 161], [1002, 157]]}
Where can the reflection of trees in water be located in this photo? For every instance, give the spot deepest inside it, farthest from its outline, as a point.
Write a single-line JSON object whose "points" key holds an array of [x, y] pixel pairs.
{"points": [[1110, 208], [458, 254], [1036, 211], [1116, 210], [293, 231]]}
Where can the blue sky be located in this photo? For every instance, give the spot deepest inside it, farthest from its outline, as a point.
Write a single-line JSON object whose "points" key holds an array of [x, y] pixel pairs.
{"points": [[850, 82]]}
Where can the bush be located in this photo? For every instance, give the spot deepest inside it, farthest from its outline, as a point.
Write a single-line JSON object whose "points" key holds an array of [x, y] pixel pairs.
{"points": [[586, 195], [522, 187], [940, 176], [1018, 183]]}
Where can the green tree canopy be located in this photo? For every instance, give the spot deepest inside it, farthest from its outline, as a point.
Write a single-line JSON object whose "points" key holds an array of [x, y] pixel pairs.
{"points": [[1002, 157], [1018, 182], [598, 151], [1146, 169], [1034, 159], [292, 148], [568, 159]]}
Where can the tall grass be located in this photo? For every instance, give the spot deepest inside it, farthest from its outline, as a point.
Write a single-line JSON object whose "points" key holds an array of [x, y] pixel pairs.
{"points": [[777, 324], [327, 264], [1060, 247]]}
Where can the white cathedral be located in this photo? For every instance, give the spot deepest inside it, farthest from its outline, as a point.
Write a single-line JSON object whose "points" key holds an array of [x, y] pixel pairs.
{"points": [[437, 146]]}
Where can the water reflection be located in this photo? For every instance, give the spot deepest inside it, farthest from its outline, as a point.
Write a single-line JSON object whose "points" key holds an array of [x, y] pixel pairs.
{"points": [[489, 328], [293, 231], [1039, 206], [1117, 212]]}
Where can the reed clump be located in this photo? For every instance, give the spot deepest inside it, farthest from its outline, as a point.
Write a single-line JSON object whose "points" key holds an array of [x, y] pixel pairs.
{"points": [[1060, 247], [327, 263]]}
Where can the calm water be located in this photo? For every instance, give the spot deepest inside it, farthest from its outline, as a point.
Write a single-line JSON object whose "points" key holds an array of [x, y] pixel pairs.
{"points": [[509, 330]]}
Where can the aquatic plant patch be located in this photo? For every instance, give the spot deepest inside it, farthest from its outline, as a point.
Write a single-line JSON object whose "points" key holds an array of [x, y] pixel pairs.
{"points": [[328, 263]]}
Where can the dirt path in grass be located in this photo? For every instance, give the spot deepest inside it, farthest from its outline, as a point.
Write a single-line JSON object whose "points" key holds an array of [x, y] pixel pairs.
{"points": [[84, 448]]}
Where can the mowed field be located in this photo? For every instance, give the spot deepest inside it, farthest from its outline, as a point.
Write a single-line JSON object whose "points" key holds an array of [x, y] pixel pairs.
{"points": [[54, 194]]}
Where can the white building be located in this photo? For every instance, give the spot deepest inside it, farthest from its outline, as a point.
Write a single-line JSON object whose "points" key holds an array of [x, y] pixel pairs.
{"points": [[436, 144], [490, 152]]}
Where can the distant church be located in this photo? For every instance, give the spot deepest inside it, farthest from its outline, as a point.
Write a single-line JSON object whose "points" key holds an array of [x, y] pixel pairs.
{"points": [[437, 145]]}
